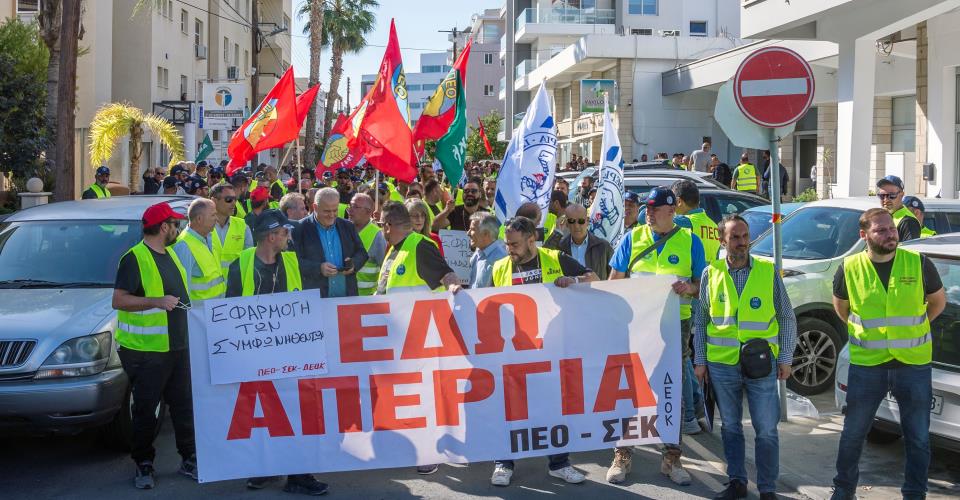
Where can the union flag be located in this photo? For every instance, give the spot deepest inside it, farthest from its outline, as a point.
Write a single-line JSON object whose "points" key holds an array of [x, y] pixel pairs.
{"points": [[440, 110], [273, 124]]}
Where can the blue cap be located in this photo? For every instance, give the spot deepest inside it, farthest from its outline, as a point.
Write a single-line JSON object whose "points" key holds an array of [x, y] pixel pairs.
{"points": [[891, 179], [178, 169], [913, 202], [103, 170], [659, 196], [632, 197], [217, 171]]}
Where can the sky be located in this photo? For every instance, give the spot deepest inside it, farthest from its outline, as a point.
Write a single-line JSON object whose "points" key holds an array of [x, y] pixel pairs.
{"points": [[417, 24]]}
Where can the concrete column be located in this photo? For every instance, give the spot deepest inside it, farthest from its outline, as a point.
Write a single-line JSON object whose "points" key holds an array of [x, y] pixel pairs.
{"points": [[826, 149], [922, 116], [786, 155], [855, 90], [624, 111], [882, 137]]}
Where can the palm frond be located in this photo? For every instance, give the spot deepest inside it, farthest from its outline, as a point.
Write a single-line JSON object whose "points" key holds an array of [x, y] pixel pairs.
{"points": [[167, 134], [111, 123]]}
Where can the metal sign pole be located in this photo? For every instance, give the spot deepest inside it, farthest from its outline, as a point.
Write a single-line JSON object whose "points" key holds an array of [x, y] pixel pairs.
{"points": [[774, 186]]}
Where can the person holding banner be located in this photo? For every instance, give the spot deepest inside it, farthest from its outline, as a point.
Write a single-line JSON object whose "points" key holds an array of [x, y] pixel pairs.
{"points": [[661, 247], [413, 261], [198, 249], [361, 209], [591, 251]]}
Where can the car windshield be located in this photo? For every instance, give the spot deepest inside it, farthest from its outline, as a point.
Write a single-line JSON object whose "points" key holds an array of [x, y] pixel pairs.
{"points": [[946, 328], [56, 254], [815, 233], [758, 222]]}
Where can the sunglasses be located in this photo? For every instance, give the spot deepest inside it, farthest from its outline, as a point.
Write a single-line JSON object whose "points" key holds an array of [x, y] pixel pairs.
{"points": [[577, 221], [887, 196]]}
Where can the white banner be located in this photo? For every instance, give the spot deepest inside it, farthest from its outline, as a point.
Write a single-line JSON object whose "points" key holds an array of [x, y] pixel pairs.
{"points": [[457, 252], [423, 378]]}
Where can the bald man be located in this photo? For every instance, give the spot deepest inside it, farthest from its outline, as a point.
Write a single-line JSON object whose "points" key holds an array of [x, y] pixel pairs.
{"points": [[199, 252]]}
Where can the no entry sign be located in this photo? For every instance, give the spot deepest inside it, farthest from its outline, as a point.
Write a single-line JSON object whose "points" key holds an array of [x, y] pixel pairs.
{"points": [[773, 87]]}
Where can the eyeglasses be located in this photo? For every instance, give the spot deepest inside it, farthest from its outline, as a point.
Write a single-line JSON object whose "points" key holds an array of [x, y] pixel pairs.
{"points": [[888, 196], [577, 221]]}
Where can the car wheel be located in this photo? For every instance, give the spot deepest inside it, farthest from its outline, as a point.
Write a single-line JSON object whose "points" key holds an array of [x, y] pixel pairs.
{"points": [[880, 436], [118, 434], [815, 358]]}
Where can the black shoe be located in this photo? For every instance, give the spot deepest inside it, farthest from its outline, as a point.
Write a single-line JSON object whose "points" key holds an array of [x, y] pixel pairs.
{"points": [[426, 470], [259, 483], [305, 484], [188, 467], [144, 479], [839, 494], [768, 496], [735, 489]]}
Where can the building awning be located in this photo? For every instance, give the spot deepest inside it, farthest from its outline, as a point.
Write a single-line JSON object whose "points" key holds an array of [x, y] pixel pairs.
{"points": [[579, 137]]}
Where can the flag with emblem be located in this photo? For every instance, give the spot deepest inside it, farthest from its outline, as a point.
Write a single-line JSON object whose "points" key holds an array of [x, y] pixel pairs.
{"points": [[336, 151], [440, 110], [452, 147], [606, 213], [273, 124]]}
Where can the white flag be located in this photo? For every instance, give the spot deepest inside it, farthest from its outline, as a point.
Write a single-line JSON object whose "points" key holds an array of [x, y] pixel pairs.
{"points": [[606, 213], [528, 167]]}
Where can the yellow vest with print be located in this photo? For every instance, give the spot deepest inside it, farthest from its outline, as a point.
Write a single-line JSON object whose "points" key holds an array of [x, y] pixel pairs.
{"points": [[707, 231], [403, 271], [291, 268], [549, 268], [735, 319], [232, 244], [147, 330], [746, 177], [675, 258]]}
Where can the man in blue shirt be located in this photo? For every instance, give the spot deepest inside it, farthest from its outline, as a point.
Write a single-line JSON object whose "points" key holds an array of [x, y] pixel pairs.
{"points": [[483, 233], [329, 248]]}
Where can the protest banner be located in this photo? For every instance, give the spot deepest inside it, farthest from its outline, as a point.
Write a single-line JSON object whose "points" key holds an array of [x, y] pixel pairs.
{"points": [[423, 378], [457, 252]]}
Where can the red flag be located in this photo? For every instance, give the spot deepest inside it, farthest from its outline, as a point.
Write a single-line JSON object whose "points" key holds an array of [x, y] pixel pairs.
{"points": [[304, 103], [441, 108], [273, 124], [483, 135], [337, 152], [381, 123]]}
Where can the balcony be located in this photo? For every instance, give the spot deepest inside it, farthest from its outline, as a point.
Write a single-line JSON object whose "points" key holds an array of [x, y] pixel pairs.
{"points": [[562, 21], [524, 68]]}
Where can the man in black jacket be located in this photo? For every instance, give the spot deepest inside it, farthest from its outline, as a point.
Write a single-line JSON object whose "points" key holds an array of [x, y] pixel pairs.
{"points": [[329, 248], [590, 251]]}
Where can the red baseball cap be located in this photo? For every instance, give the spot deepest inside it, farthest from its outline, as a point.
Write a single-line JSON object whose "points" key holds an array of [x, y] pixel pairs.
{"points": [[158, 214], [260, 193]]}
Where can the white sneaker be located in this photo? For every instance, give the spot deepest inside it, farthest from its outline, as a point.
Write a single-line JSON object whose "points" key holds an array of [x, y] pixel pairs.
{"points": [[569, 474], [501, 476]]}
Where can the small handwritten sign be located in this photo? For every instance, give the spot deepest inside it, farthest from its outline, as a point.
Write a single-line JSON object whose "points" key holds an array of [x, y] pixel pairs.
{"points": [[457, 252], [265, 337]]}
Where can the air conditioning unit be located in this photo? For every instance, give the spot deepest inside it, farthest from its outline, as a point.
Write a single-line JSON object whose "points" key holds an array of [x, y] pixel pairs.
{"points": [[669, 32], [200, 51], [642, 31], [232, 73]]}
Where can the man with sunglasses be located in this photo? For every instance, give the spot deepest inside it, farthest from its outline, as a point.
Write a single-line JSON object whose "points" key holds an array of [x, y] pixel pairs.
{"points": [[457, 217], [150, 296], [890, 192], [231, 231], [589, 250]]}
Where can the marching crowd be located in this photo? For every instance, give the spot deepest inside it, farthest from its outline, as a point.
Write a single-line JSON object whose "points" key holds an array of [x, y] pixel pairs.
{"points": [[350, 234]]}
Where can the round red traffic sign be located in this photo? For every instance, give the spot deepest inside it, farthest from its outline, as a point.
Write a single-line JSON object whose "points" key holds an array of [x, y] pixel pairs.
{"points": [[773, 87]]}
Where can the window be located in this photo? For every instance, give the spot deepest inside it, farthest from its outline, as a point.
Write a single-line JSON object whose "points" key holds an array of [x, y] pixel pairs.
{"points": [[162, 77], [643, 7], [246, 9], [488, 58], [490, 32], [946, 341], [184, 21], [27, 6], [197, 32], [488, 90], [246, 60], [698, 28], [226, 50], [903, 133], [236, 54], [183, 87], [641, 31], [814, 233]]}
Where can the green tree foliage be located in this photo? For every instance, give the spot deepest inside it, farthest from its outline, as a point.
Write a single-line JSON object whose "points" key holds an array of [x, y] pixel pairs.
{"points": [[23, 74], [492, 124]]}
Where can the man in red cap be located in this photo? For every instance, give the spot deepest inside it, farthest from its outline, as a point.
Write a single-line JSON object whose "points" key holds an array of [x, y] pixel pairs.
{"points": [[150, 296], [259, 201]]}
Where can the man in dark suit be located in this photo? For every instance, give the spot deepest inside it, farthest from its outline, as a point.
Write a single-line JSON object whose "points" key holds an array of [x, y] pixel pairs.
{"points": [[328, 248], [591, 251]]}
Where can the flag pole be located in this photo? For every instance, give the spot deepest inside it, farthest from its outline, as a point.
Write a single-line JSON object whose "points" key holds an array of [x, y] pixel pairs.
{"points": [[376, 188], [286, 155], [299, 164]]}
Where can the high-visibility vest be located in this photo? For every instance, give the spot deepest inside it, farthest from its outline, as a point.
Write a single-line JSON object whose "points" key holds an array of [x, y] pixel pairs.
{"points": [[101, 192], [736, 318], [283, 189], [746, 177], [212, 284], [403, 270], [549, 268], [549, 225], [232, 244], [926, 232], [147, 330], [368, 274], [291, 268], [394, 194], [887, 323], [675, 258], [708, 232], [241, 211], [901, 214], [342, 210]]}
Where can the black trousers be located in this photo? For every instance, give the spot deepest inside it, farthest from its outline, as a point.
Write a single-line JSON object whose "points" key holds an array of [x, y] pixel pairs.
{"points": [[155, 376]]}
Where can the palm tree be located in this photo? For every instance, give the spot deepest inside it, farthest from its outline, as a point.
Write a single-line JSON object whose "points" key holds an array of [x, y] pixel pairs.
{"points": [[346, 24], [316, 36], [115, 120]]}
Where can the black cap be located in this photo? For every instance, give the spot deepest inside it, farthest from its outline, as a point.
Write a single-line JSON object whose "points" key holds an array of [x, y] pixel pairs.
{"points": [[169, 182], [891, 179], [260, 176], [913, 202], [659, 196], [216, 171], [202, 163], [632, 197], [269, 220], [178, 169], [343, 170]]}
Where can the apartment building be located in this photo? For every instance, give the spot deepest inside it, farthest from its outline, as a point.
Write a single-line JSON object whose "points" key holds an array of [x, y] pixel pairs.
{"points": [[485, 68]]}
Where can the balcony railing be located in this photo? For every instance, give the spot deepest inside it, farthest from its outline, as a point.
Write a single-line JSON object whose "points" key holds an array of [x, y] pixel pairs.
{"points": [[525, 67], [565, 15]]}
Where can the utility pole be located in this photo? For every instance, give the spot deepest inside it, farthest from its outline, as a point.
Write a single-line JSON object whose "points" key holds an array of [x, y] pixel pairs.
{"points": [[67, 101], [454, 32], [255, 55]]}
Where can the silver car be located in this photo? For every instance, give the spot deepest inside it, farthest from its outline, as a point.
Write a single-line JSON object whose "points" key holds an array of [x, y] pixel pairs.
{"points": [[59, 370]]}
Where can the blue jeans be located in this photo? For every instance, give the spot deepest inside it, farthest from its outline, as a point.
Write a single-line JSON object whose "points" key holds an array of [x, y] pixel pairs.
{"points": [[911, 385], [692, 393], [557, 461], [763, 400]]}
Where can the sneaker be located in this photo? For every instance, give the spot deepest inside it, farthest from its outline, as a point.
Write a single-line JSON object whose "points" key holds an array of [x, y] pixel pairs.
{"points": [[426, 470], [703, 424], [501, 475], [569, 474], [691, 427], [622, 463], [735, 489], [188, 467], [259, 483], [144, 479], [672, 468], [305, 484]]}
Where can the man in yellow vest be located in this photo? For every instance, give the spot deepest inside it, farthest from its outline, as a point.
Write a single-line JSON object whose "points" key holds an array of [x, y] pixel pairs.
{"points": [[231, 231], [241, 186], [742, 298], [413, 262], [890, 192], [199, 249], [674, 251], [745, 176], [694, 218], [151, 299], [888, 297], [98, 190], [524, 264], [345, 190], [275, 185], [361, 210], [915, 205]]}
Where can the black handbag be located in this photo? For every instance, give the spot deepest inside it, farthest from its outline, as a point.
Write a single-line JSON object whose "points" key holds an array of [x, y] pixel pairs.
{"points": [[756, 359]]}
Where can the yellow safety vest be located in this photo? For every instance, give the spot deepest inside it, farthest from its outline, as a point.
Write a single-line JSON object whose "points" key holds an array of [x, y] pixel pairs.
{"points": [[747, 177], [100, 191], [232, 244], [147, 330], [887, 323], [283, 189], [926, 232], [342, 210], [212, 284], [549, 225], [368, 274], [394, 194], [549, 268], [403, 269], [675, 258], [241, 211], [291, 268], [707, 231], [737, 318], [901, 214]]}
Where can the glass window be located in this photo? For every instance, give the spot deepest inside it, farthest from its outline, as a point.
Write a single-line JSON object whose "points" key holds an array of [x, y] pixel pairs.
{"points": [[903, 133], [698, 28], [946, 328], [642, 7], [488, 90], [729, 204], [758, 222], [488, 58], [953, 222], [197, 32], [490, 32], [815, 233], [28, 6], [184, 21], [226, 49]]}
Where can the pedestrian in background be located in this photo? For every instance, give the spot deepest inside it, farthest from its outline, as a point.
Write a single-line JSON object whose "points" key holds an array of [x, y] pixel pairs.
{"points": [[98, 190], [700, 159], [915, 205], [745, 176], [890, 192]]}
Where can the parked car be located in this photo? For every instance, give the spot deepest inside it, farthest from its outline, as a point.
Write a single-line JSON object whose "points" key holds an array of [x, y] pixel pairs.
{"points": [[816, 238], [945, 330], [59, 369], [759, 218]]}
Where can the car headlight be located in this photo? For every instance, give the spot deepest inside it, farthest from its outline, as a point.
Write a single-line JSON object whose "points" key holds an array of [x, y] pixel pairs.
{"points": [[78, 357], [789, 273]]}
